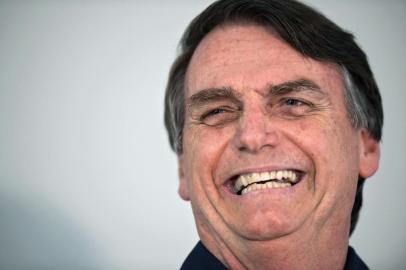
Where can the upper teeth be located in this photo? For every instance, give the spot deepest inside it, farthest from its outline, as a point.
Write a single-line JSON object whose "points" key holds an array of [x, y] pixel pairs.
{"points": [[247, 179]]}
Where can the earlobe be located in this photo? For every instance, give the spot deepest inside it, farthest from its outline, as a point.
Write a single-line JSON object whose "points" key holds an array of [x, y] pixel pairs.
{"points": [[369, 154], [183, 187]]}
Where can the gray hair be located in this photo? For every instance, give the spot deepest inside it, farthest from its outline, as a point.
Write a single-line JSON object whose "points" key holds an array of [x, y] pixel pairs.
{"points": [[355, 102]]}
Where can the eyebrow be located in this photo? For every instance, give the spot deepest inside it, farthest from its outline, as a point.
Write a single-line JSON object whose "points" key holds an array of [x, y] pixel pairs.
{"points": [[212, 95], [206, 96], [295, 86]]}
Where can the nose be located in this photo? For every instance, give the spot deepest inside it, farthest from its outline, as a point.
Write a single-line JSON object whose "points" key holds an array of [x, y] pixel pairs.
{"points": [[255, 131]]}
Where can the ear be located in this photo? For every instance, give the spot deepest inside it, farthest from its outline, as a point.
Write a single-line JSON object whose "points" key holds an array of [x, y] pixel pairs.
{"points": [[369, 154], [183, 185]]}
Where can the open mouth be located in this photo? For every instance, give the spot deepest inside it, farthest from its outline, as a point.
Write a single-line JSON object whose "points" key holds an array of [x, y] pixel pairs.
{"points": [[249, 182]]}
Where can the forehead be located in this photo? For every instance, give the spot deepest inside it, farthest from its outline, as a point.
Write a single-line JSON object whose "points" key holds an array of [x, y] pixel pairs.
{"points": [[251, 57]]}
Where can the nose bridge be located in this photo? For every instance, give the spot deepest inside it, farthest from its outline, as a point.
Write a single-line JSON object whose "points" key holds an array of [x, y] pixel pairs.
{"points": [[254, 130]]}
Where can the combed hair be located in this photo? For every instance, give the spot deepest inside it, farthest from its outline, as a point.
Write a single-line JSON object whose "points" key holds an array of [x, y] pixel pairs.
{"points": [[308, 32]]}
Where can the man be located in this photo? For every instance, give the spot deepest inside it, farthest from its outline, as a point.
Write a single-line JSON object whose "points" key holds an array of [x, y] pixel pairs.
{"points": [[276, 120]]}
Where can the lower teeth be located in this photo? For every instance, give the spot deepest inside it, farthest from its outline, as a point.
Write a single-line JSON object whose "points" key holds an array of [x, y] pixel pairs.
{"points": [[267, 185]]}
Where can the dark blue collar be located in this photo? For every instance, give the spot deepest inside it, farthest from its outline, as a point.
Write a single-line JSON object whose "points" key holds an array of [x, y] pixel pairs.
{"points": [[201, 259]]}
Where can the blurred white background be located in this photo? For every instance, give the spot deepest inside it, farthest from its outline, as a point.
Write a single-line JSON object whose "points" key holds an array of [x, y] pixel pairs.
{"points": [[87, 178]]}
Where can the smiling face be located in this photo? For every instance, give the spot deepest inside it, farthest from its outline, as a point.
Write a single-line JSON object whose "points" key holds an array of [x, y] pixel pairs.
{"points": [[268, 148]]}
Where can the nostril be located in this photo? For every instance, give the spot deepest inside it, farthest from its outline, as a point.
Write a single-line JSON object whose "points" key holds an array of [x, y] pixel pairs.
{"points": [[257, 142]]}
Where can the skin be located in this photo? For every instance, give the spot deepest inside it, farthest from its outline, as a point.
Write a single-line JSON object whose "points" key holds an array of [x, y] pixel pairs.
{"points": [[254, 128]]}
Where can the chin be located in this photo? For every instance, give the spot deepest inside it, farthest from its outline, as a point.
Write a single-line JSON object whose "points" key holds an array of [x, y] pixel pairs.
{"points": [[267, 227]]}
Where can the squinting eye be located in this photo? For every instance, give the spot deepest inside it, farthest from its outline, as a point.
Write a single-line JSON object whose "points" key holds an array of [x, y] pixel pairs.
{"points": [[214, 112], [294, 102], [219, 116], [294, 107]]}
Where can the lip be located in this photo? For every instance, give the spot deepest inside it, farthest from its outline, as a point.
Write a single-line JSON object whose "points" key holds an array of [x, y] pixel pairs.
{"points": [[228, 188], [229, 182], [234, 175]]}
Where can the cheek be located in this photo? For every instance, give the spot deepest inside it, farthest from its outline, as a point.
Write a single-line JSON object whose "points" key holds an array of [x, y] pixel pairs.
{"points": [[204, 147], [331, 146], [313, 137], [345, 143], [303, 127]]}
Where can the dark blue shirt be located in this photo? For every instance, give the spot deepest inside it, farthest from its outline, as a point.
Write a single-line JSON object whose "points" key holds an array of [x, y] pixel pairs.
{"points": [[201, 259]]}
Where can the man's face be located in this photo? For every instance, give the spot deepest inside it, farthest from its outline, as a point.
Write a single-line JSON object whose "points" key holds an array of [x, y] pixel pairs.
{"points": [[268, 148]]}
